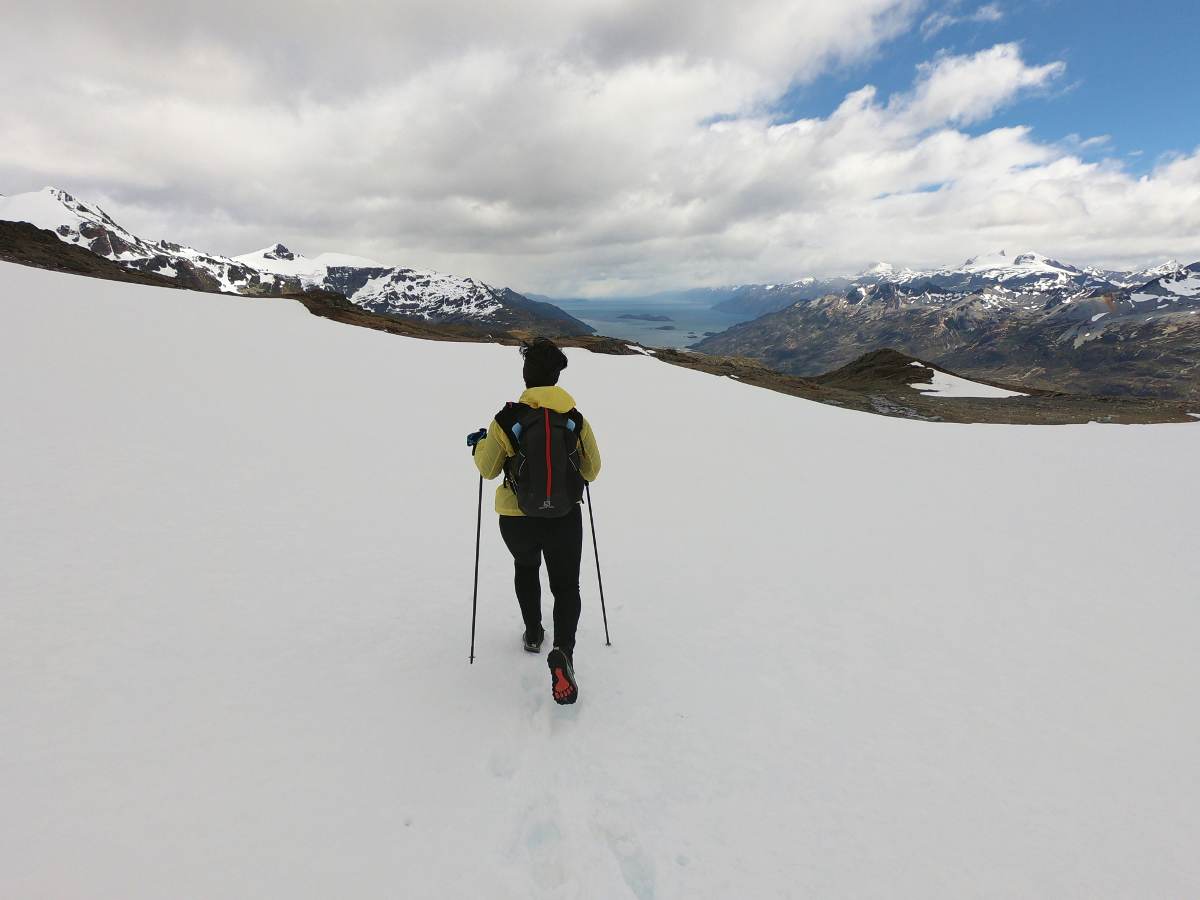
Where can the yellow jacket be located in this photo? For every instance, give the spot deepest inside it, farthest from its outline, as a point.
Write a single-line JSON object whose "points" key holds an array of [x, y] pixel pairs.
{"points": [[493, 450]]}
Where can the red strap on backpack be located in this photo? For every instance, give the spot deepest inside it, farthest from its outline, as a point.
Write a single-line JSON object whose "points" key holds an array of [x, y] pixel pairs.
{"points": [[549, 474]]}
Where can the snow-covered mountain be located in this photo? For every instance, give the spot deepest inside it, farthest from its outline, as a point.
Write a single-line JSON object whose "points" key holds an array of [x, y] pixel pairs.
{"points": [[1011, 318], [87, 225], [380, 288], [76, 223], [1137, 278], [1180, 285], [390, 290], [236, 614], [1029, 273]]}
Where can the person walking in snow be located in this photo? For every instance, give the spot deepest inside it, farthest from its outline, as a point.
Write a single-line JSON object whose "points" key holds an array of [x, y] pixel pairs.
{"points": [[547, 452]]}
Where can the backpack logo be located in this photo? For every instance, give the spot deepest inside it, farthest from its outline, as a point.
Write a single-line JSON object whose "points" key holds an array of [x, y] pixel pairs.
{"points": [[547, 504]]}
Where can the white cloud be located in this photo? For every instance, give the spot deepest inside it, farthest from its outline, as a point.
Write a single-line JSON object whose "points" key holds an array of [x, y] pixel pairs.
{"points": [[609, 146], [964, 90], [938, 22]]}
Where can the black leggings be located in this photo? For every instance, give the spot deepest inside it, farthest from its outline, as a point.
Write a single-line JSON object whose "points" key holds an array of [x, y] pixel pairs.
{"points": [[561, 542]]}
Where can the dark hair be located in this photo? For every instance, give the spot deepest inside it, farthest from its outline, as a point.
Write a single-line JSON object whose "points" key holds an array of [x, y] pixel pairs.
{"points": [[543, 362]]}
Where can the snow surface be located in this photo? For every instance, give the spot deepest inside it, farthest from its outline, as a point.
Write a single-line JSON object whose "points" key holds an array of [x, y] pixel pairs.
{"points": [[946, 385], [888, 659]]}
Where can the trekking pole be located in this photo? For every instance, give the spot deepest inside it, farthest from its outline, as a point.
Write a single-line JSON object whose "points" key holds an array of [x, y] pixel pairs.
{"points": [[587, 487], [478, 525], [475, 592]]}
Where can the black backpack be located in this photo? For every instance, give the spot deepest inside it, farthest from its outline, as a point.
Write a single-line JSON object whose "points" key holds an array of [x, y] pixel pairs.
{"points": [[544, 470]]}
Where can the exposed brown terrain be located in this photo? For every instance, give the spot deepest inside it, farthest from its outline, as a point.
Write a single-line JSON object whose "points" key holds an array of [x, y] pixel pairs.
{"points": [[29, 245], [880, 382]]}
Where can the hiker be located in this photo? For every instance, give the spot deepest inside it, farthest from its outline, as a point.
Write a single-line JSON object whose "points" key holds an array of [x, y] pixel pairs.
{"points": [[547, 451]]}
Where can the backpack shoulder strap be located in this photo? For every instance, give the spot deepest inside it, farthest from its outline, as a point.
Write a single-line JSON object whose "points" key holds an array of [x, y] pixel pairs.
{"points": [[575, 422], [511, 419]]}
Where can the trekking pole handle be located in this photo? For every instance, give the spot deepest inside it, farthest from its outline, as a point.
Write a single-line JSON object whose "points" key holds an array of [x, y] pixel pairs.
{"points": [[474, 438]]}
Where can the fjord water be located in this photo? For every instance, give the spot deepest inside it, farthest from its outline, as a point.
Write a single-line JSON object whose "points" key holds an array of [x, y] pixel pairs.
{"points": [[689, 320]]}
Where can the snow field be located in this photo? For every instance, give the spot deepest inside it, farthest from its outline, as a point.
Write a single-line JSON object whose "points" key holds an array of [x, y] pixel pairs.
{"points": [[853, 656]]}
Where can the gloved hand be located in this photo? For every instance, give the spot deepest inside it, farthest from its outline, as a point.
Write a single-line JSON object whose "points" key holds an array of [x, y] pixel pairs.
{"points": [[475, 437]]}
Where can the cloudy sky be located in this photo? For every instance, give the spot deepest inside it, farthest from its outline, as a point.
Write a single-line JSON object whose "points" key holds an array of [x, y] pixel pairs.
{"points": [[599, 147]]}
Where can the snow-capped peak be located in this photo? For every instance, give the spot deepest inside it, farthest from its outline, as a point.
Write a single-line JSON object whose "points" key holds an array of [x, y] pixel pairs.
{"points": [[278, 259], [51, 208], [1000, 259], [880, 268], [1170, 267], [278, 252], [75, 222], [995, 260]]}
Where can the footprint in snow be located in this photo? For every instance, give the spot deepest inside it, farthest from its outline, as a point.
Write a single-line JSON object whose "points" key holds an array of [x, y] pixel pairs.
{"points": [[541, 839], [503, 763], [636, 865]]}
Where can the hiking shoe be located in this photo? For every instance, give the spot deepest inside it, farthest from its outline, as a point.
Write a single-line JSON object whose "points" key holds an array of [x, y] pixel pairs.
{"points": [[533, 642], [562, 677]]}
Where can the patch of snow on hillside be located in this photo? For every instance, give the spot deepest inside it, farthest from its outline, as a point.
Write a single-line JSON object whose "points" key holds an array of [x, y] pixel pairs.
{"points": [[1188, 286], [1168, 290], [946, 385]]}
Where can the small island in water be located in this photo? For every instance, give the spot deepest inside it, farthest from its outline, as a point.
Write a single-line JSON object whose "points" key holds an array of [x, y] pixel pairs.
{"points": [[644, 318]]}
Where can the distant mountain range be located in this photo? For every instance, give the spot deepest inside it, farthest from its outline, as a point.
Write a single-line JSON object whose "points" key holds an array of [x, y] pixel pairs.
{"points": [[388, 290], [1026, 318], [1025, 271]]}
